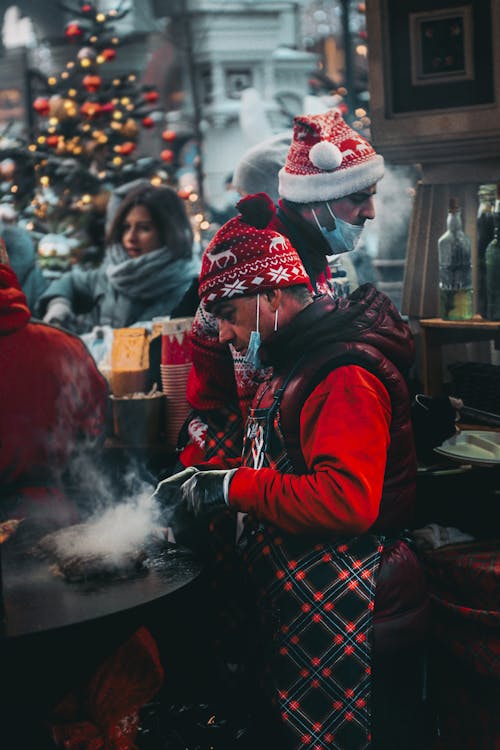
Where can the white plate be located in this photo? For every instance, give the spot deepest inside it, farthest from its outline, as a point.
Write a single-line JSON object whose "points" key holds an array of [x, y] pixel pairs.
{"points": [[473, 446]]}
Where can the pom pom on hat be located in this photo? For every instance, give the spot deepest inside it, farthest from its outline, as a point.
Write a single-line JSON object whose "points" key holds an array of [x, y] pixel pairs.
{"points": [[325, 155], [327, 160], [247, 255], [257, 210]]}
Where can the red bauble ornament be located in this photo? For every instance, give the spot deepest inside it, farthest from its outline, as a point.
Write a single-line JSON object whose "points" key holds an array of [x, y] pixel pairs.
{"points": [[87, 8], [108, 53], [52, 140], [90, 109], [73, 31], [148, 122], [92, 82], [343, 108], [41, 105], [363, 35], [151, 96], [126, 148], [167, 155], [169, 135], [106, 107], [183, 193]]}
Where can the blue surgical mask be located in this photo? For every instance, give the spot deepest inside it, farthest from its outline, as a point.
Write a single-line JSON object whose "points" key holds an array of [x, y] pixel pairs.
{"points": [[252, 355], [344, 237]]}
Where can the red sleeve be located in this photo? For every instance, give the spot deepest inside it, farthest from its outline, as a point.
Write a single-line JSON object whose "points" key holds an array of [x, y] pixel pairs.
{"points": [[344, 433]]}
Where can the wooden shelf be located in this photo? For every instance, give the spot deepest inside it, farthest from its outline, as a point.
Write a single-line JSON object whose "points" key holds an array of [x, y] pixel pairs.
{"points": [[437, 332]]}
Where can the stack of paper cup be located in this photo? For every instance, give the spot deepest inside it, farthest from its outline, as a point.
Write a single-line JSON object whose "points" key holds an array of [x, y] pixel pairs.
{"points": [[175, 366]]}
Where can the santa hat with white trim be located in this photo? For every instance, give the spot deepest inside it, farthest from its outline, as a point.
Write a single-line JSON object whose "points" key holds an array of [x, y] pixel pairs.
{"points": [[247, 255], [327, 160]]}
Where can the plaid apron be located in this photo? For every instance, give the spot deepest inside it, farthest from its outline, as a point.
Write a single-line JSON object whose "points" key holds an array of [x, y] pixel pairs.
{"points": [[315, 600]]}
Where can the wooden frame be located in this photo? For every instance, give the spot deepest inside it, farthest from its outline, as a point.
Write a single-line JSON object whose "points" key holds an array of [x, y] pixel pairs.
{"points": [[421, 115], [441, 46]]}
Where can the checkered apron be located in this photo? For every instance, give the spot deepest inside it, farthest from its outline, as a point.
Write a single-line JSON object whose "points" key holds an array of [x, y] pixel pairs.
{"points": [[315, 599]]}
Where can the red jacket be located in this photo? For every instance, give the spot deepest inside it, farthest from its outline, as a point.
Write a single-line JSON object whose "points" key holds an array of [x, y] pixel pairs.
{"points": [[345, 419], [53, 402]]}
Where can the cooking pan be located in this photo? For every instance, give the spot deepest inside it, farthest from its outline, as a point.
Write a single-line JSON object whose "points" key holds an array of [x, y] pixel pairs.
{"points": [[53, 633], [35, 600]]}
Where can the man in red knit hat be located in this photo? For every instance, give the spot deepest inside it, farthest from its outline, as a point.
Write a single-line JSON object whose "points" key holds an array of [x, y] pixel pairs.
{"points": [[327, 186], [327, 476]]}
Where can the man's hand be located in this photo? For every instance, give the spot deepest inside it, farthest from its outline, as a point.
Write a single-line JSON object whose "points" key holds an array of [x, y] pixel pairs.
{"points": [[204, 493], [167, 493], [201, 496]]}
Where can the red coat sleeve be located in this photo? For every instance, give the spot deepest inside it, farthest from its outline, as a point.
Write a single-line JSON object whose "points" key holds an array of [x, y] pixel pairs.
{"points": [[344, 434]]}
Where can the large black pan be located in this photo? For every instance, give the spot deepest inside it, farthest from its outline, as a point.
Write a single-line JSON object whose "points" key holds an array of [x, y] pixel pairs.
{"points": [[35, 600], [54, 633]]}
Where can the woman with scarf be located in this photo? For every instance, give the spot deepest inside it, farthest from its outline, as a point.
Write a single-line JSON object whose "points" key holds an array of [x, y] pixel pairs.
{"points": [[146, 270]]}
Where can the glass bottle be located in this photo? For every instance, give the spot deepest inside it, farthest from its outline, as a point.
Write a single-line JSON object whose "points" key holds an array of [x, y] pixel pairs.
{"points": [[485, 226], [455, 268], [493, 265]]}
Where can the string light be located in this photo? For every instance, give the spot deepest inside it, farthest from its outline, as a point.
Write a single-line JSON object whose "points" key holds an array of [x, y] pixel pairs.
{"points": [[91, 121]]}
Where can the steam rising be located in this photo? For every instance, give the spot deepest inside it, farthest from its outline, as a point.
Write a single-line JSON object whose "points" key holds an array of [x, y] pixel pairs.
{"points": [[120, 529]]}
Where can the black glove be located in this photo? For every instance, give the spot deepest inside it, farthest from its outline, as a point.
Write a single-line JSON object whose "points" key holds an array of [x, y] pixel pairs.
{"points": [[167, 493], [201, 497], [203, 493]]}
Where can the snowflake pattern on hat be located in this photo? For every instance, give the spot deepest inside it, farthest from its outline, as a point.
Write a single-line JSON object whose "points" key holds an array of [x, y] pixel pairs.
{"points": [[243, 259]]}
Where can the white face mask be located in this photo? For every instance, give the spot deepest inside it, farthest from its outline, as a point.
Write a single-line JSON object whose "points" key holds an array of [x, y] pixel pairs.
{"points": [[344, 237]]}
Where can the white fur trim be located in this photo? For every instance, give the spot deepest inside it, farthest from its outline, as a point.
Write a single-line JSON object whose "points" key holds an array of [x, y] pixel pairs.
{"points": [[314, 188], [325, 155]]}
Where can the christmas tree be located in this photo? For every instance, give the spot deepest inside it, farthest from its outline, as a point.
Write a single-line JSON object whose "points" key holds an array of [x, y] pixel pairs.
{"points": [[86, 128]]}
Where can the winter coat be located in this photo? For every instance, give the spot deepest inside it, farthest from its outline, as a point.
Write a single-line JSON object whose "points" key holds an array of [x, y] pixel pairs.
{"points": [[24, 263], [101, 300], [346, 421], [54, 403]]}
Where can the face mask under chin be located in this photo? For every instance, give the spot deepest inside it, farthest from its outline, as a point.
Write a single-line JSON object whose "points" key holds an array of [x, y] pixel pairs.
{"points": [[252, 354], [344, 238]]}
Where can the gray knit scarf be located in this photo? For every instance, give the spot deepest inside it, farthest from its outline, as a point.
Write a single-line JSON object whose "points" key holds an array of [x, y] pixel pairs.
{"points": [[149, 276]]}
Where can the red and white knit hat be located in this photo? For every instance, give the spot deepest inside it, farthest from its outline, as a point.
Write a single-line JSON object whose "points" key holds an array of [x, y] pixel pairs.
{"points": [[247, 255], [327, 160]]}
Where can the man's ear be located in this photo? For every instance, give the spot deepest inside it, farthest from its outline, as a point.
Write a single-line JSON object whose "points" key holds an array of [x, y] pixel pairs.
{"points": [[274, 298]]}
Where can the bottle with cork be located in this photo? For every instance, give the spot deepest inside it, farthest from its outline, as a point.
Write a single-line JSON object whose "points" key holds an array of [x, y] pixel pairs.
{"points": [[455, 268], [493, 265]]}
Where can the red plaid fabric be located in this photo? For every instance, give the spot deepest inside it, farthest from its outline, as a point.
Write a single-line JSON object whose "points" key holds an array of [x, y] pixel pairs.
{"points": [[464, 583], [315, 599], [316, 607]]}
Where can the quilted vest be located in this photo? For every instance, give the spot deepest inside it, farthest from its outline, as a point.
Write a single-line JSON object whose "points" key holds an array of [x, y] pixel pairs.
{"points": [[399, 489]]}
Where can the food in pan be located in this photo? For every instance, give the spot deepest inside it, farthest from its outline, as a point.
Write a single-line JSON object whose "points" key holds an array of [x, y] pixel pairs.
{"points": [[75, 557]]}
